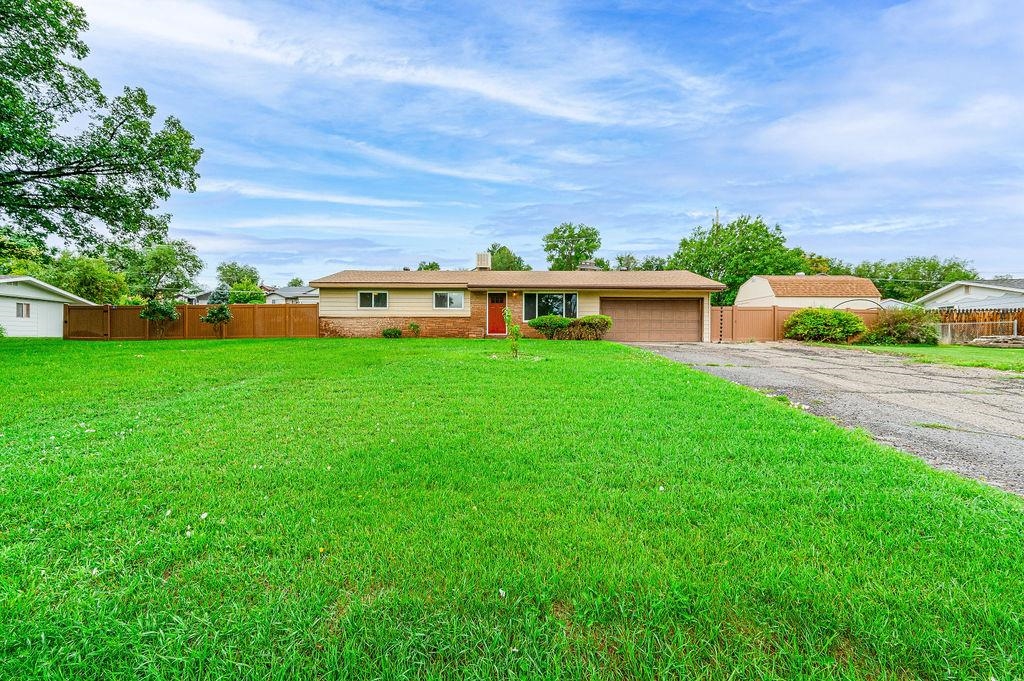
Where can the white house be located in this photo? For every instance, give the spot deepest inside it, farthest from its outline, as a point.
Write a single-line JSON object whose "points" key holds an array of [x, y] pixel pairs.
{"points": [[818, 290], [893, 304], [982, 294], [294, 294], [29, 307]]}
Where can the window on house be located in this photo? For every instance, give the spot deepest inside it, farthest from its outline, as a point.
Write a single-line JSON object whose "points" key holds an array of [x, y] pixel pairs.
{"points": [[448, 300], [24, 310], [373, 299], [540, 304]]}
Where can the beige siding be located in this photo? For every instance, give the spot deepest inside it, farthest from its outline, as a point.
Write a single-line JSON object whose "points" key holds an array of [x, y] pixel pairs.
{"points": [[755, 292], [419, 302], [590, 301]]}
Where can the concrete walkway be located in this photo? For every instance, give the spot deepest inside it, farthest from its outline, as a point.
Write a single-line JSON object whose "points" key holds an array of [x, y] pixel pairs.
{"points": [[966, 420]]}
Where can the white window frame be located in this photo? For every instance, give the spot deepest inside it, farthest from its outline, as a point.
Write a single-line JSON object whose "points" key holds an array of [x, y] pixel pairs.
{"points": [[387, 299], [23, 311], [556, 293], [433, 299]]}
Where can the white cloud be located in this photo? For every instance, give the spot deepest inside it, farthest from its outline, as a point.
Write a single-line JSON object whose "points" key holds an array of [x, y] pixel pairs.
{"points": [[598, 81], [488, 171], [264, 192], [188, 23]]}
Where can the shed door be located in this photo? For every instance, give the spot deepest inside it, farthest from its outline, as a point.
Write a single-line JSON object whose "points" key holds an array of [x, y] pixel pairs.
{"points": [[654, 319]]}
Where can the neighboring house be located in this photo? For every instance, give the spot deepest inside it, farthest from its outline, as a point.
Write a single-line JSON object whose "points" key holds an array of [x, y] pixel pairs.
{"points": [[644, 306], [30, 307], [981, 294], [294, 294], [201, 298], [818, 290], [893, 304]]}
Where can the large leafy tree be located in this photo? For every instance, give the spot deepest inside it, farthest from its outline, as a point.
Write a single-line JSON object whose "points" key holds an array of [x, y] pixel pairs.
{"points": [[732, 253], [164, 270], [74, 163], [431, 266], [503, 259], [232, 272], [570, 244], [627, 261], [654, 263], [913, 277], [296, 281], [90, 278], [16, 247]]}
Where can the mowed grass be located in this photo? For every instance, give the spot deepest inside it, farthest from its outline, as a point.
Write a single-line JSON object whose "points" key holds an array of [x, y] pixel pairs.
{"points": [[1005, 359], [429, 508]]}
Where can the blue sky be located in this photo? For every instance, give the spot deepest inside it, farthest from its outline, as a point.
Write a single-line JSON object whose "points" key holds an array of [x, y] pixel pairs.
{"points": [[375, 135]]}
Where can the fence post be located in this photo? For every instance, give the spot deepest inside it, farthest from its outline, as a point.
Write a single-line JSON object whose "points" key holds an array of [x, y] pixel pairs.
{"points": [[106, 321], [775, 322], [65, 321]]}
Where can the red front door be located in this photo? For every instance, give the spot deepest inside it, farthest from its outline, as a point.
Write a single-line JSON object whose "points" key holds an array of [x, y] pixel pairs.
{"points": [[495, 313]]}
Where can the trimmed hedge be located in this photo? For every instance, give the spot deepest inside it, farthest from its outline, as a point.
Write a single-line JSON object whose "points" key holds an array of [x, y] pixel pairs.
{"points": [[823, 325], [912, 326], [549, 324], [391, 332], [591, 327]]}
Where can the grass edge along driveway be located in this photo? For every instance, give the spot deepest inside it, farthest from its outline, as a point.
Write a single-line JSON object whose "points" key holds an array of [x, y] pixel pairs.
{"points": [[1002, 359], [431, 508]]}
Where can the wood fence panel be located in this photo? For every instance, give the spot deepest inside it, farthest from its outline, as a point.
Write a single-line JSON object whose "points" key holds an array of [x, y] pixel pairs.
{"points": [[242, 322], [272, 322], [125, 324], [196, 328], [753, 324], [303, 321], [107, 322], [86, 322], [968, 316], [740, 324]]}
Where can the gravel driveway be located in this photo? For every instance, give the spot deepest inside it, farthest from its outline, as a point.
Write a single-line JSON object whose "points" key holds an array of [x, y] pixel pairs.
{"points": [[966, 420]]}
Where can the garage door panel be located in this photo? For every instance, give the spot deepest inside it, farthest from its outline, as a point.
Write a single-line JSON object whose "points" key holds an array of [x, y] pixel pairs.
{"points": [[654, 319]]}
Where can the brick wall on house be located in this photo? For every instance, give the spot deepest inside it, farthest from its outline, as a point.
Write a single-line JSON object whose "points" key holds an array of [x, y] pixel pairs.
{"points": [[473, 326]]}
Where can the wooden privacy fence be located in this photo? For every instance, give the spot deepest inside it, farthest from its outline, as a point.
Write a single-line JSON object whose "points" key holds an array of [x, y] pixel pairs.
{"points": [[122, 322], [759, 323], [975, 316]]}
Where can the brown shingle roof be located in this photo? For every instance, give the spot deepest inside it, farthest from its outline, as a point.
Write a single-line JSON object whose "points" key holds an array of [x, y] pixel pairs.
{"points": [[837, 286], [540, 279]]}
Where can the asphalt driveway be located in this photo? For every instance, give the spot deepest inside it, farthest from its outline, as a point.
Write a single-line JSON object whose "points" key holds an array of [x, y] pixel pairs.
{"points": [[966, 420]]}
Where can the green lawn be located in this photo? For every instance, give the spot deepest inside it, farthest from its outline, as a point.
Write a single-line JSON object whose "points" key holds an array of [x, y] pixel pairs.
{"points": [[1007, 359], [424, 508]]}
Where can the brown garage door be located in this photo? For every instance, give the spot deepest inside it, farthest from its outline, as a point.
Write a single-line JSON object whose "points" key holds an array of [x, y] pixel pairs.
{"points": [[653, 319]]}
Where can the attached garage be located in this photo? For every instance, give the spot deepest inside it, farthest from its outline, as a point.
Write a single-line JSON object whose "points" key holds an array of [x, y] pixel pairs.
{"points": [[654, 319]]}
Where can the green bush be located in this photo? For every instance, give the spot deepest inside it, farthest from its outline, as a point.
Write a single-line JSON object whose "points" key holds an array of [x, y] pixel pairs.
{"points": [[391, 332], [160, 312], [131, 300], [414, 329], [590, 327], [217, 316], [3, 331], [548, 325], [823, 325], [912, 326]]}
